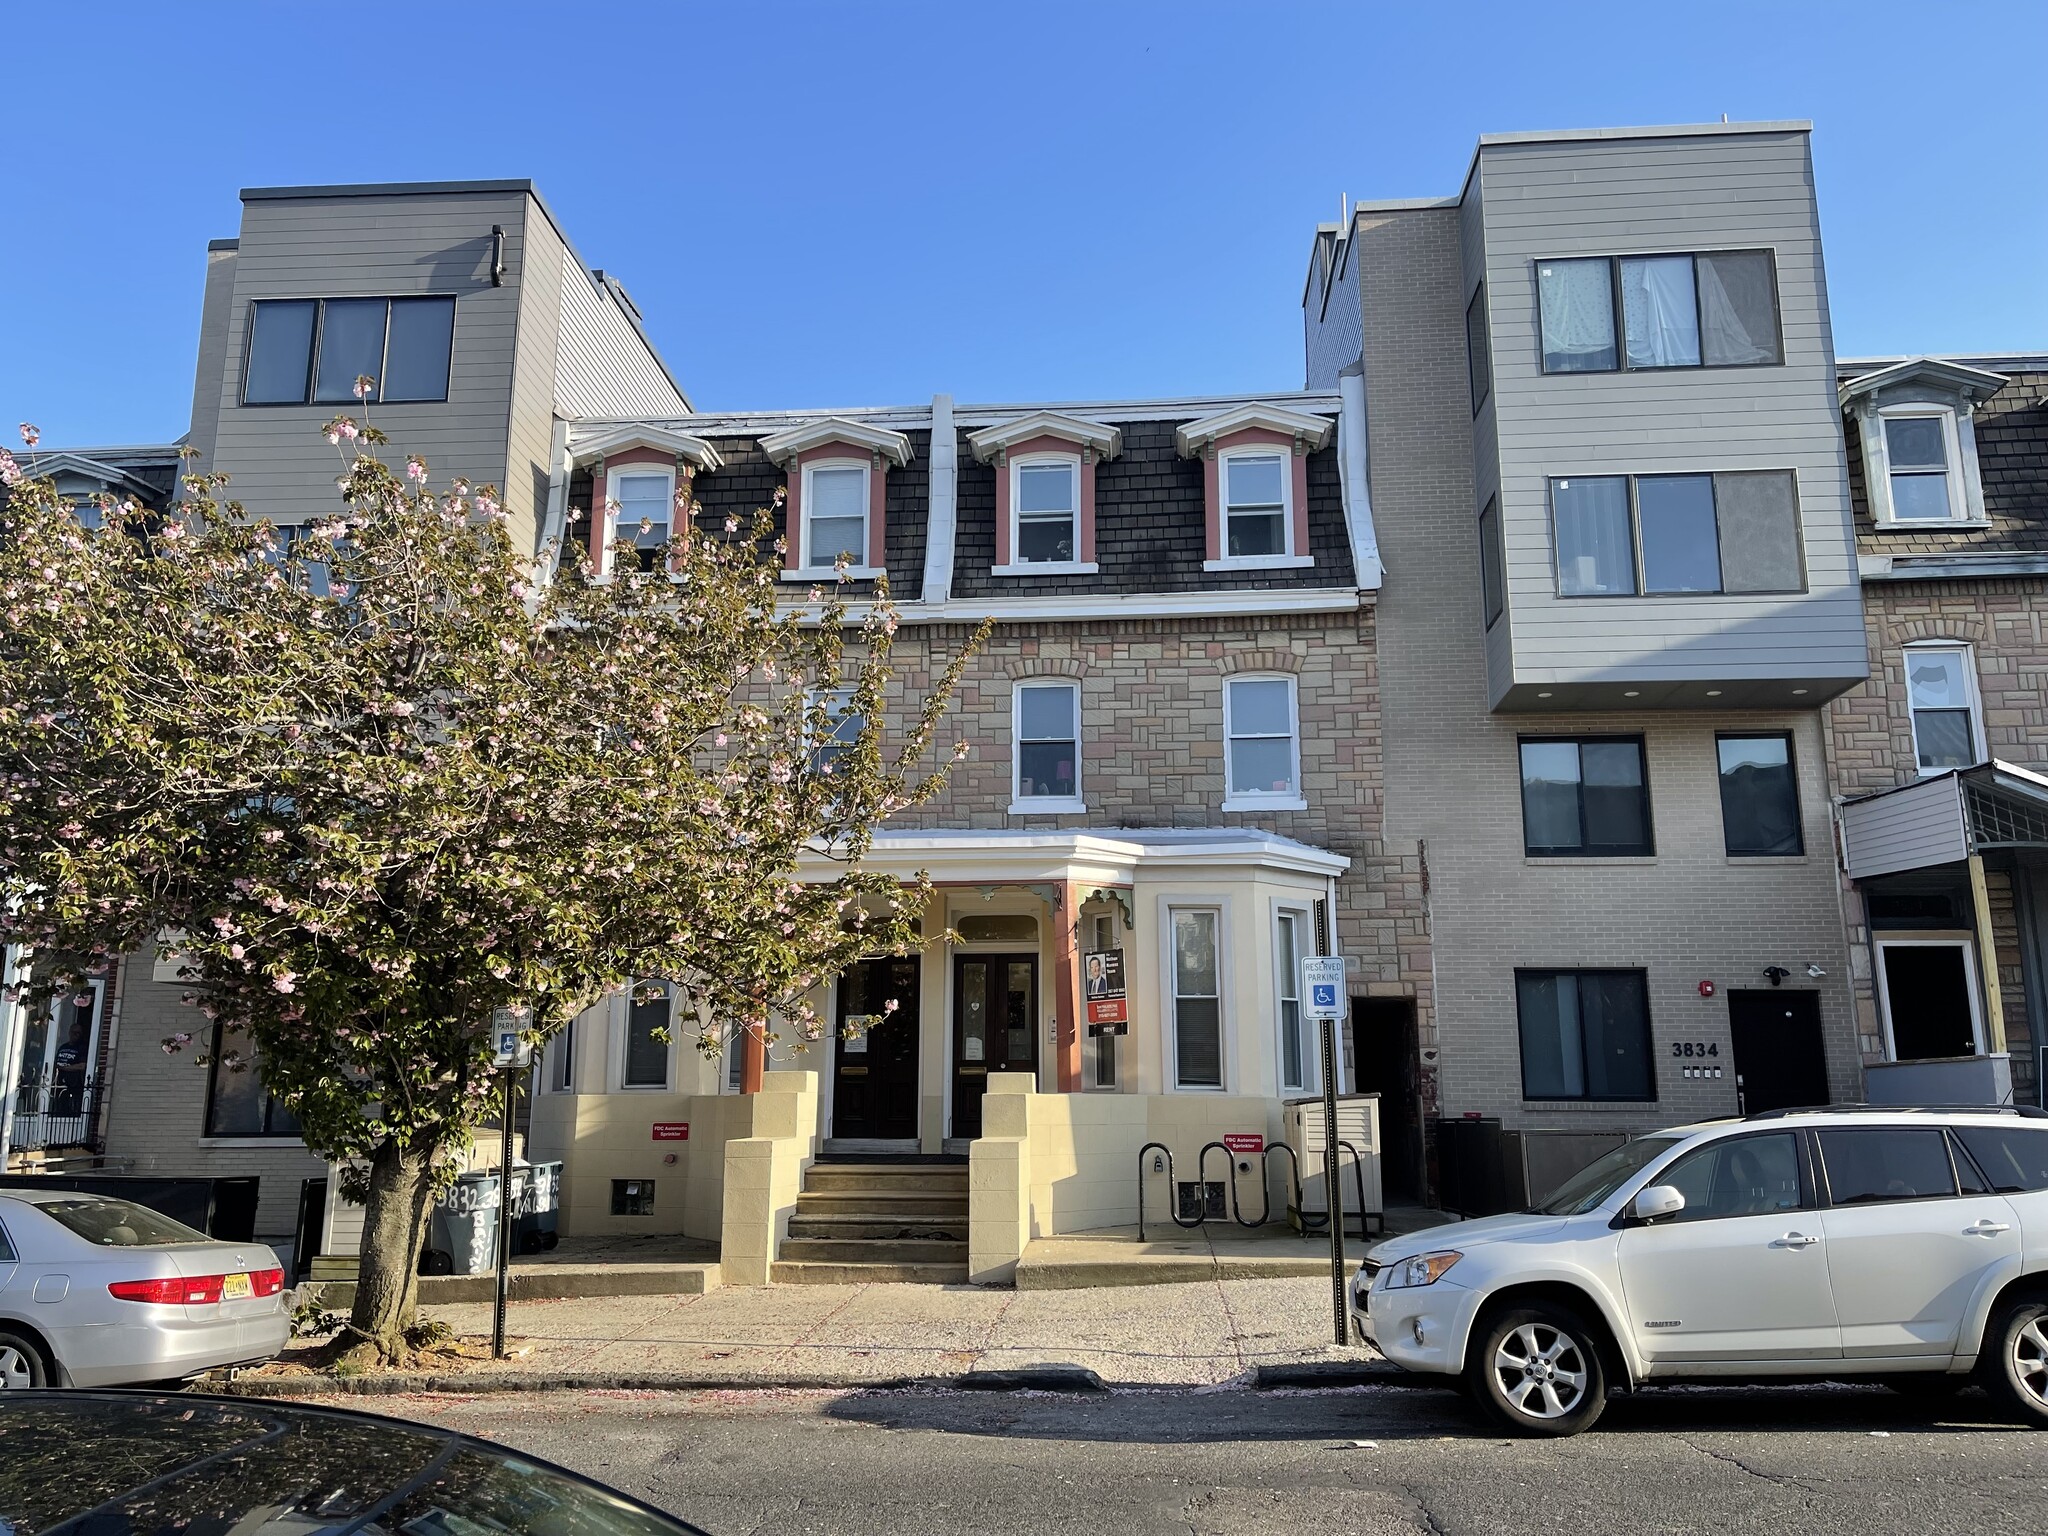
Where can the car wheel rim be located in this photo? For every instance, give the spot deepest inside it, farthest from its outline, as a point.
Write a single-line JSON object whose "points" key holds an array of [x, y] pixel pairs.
{"points": [[2030, 1362], [1541, 1371], [14, 1371]]}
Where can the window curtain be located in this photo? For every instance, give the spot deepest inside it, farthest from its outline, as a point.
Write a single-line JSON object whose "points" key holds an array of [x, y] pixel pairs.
{"points": [[1578, 315], [1658, 312], [1738, 310], [1553, 1064]]}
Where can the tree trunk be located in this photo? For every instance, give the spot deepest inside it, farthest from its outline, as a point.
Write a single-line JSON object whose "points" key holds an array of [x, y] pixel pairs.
{"points": [[394, 1232]]}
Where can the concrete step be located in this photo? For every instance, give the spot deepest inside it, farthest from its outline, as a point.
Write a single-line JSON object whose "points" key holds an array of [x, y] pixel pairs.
{"points": [[892, 1178], [857, 1202], [879, 1226], [906, 1250], [807, 1272]]}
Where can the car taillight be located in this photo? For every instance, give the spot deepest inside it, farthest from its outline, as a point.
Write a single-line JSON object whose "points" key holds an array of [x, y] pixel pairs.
{"points": [[185, 1290], [267, 1282]]}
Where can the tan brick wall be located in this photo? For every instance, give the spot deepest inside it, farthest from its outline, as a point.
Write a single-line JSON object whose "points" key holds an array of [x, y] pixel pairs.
{"points": [[1152, 746], [1870, 732]]}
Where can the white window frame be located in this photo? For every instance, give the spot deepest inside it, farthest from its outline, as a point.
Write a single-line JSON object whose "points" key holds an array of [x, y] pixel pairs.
{"points": [[815, 697], [1017, 564], [1042, 805], [1289, 557], [609, 526], [1968, 652], [1972, 982], [1235, 799], [1103, 1048], [622, 1015], [1218, 908], [810, 568], [1959, 510], [1311, 1039]]}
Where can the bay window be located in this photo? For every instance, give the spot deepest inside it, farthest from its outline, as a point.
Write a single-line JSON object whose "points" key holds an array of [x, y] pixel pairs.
{"points": [[1197, 998], [645, 1057]]}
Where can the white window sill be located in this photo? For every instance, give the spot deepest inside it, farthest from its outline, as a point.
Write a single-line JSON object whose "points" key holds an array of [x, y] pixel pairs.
{"points": [[643, 1088], [1264, 803], [1199, 1088], [1047, 805], [1260, 563], [1588, 860], [1930, 524], [829, 574], [1046, 568]]}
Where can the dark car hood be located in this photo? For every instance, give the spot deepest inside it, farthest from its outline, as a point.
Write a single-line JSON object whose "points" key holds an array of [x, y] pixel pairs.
{"points": [[146, 1464]]}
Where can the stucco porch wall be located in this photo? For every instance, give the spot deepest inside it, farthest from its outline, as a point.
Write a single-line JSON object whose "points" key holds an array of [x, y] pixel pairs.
{"points": [[599, 1137], [1056, 1163]]}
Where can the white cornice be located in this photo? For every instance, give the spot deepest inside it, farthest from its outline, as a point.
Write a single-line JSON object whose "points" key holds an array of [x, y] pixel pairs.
{"points": [[783, 447], [1192, 437], [1105, 440], [1958, 378], [1110, 856], [611, 440]]}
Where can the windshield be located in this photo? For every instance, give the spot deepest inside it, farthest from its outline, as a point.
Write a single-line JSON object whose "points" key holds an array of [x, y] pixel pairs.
{"points": [[1597, 1180], [119, 1223]]}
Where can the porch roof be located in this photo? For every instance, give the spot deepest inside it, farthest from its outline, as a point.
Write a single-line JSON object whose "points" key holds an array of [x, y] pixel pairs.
{"points": [[1944, 819], [1103, 856]]}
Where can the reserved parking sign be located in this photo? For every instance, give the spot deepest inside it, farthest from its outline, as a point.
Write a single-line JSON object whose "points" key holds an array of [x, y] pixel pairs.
{"points": [[1322, 982]]}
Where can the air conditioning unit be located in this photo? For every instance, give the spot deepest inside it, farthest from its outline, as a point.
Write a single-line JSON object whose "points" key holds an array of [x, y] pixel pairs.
{"points": [[1358, 1124]]}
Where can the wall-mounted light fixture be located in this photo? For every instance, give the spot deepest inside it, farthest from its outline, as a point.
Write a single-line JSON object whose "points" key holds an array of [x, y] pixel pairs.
{"points": [[497, 255]]}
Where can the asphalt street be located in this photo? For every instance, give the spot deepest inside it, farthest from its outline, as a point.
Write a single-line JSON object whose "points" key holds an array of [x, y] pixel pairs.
{"points": [[1231, 1462]]}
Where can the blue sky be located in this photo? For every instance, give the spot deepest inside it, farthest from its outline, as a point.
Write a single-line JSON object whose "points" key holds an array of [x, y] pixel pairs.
{"points": [[820, 204]]}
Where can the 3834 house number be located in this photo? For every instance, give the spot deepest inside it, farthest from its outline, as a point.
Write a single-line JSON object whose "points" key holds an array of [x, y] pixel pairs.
{"points": [[1694, 1048]]}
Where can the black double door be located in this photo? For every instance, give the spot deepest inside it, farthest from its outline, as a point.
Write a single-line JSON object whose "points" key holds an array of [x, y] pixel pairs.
{"points": [[874, 1096], [1780, 1062], [995, 1028]]}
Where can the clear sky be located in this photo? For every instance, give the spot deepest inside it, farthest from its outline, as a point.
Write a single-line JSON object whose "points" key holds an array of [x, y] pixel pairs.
{"points": [[841, 204]]}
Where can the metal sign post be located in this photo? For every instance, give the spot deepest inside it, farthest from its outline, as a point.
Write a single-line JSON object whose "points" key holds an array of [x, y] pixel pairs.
{"points": [[508, 1026], [1323, 989]]}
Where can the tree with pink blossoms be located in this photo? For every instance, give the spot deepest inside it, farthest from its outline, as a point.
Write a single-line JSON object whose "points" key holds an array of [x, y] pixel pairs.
{"points": [[374, 782]]}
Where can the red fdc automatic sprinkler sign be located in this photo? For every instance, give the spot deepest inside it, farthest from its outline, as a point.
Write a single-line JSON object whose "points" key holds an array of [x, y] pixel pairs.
{"points": [[671, 1130], [1242, 1144]]}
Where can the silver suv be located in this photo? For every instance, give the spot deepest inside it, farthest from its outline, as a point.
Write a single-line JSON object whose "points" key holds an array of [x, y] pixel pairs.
{"points": [[1909, 1246]]}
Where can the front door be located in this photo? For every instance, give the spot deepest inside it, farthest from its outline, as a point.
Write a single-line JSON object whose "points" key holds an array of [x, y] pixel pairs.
{"points": [[1779, 1059], [1740, 1273], [995, 1028], [874, 1094]]}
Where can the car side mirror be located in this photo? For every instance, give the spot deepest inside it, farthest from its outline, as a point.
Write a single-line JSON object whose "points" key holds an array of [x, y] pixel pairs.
{"points": [[1656, 1202]]}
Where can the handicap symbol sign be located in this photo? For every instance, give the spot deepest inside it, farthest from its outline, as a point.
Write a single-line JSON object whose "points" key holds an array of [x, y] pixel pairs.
{"points": [[1325, 995]]}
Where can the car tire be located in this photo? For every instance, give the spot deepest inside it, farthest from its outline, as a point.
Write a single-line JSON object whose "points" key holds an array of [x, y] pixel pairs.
{"points": [[2014, 1367], [1537, 1370], [21, 1362]]}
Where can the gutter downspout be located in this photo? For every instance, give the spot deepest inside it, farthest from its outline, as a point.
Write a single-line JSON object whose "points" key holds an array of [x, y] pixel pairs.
{"points": [[12, 1035], [941, 504], [554, 526], [1352, 471]]}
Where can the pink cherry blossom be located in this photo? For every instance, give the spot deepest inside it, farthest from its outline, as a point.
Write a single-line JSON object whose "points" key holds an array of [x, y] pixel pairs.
{"points": [[31, 433]]}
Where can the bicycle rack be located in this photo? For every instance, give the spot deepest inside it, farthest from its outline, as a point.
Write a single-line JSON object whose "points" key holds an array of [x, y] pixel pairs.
{"points": [[1310, 1221]]}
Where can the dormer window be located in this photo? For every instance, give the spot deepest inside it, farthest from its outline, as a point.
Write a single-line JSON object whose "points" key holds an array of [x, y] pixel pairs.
{"points": [[1256, 514], [1916, 420], [1254, 484], [645, 498], [1045, 498], [834, 514], [838, 474], [1920, 465], [1045, 490]]}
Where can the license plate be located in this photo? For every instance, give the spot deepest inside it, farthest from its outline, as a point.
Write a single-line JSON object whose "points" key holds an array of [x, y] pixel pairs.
{"points": [[237, 1288]]}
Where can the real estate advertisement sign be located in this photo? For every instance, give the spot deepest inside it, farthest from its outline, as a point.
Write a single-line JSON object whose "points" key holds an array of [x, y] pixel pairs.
{"points": [[1102, 977]]}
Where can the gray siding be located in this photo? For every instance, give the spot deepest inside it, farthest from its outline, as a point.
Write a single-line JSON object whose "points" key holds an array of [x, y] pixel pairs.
{"points": [[530, 436], [213, 352], [1619, 197], [1330, 326], [326, 247], [1908, 828], [603, 367]]}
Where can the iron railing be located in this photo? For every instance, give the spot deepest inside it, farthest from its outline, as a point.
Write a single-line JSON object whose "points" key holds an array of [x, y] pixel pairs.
{"points": [[55, 1108]]}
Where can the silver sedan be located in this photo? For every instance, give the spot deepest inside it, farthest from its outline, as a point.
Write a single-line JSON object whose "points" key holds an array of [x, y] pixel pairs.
{"points": [[97, 1292]]}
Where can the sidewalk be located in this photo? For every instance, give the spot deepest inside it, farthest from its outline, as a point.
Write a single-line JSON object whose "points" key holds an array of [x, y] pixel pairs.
{"points": [[847, 1335]]}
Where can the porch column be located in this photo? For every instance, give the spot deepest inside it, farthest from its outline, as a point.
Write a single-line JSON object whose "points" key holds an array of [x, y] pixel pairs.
{"points": [[1066, 966], [1987, 959], [753, 1057]]}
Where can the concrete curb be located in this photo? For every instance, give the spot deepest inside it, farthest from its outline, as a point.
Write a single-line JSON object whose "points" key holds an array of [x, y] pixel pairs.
{"points": [[406, 1383], [1342, 1373], [1032, 1378]]}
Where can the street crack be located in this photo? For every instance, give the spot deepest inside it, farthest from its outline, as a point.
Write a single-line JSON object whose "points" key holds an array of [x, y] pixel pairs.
{"points": [[1731, 1459]]}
